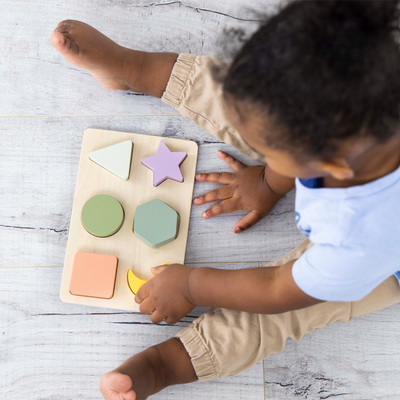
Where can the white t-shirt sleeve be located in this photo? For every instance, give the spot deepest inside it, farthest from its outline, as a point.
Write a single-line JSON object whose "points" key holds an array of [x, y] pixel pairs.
{"points": [[332, 273]]}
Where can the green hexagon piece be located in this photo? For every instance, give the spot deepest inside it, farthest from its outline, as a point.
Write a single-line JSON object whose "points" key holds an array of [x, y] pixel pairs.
{"points": [[155, 223]]}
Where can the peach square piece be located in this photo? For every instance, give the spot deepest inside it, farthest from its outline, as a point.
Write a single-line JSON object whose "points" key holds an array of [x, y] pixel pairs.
{"points": [[93, 275]]}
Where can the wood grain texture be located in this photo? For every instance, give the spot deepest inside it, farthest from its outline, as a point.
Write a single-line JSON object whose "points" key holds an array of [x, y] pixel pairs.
{"points": [[39, 160], [358, 360], [51, 350]]}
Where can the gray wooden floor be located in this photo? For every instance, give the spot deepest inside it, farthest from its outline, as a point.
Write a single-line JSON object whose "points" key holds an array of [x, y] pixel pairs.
{"points": [[50, 350]]}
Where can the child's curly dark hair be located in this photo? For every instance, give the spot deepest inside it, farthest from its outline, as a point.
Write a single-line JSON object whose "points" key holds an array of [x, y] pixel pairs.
{"points": [[324, 71]]}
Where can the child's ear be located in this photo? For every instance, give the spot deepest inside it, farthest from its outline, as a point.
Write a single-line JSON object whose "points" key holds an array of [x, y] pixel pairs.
{"points": [[338, 168]]}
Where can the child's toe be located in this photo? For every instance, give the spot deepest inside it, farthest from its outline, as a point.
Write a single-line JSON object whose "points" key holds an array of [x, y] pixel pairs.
{"points": [[64, 45], [121, 383], [62, 28], [67, 23], [128, 395]]}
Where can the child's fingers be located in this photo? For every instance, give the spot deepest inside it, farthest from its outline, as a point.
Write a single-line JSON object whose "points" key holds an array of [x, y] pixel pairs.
{"points": [[225, 206], [235, 164], [156, 317], [157, 270], [142, 293], [219, 177], [221, 193], [146, 306], [172, 320], [247, 221]]}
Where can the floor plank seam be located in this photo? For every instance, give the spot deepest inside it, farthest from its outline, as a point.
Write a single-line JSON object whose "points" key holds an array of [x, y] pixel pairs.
{"points": [[90, 116]]}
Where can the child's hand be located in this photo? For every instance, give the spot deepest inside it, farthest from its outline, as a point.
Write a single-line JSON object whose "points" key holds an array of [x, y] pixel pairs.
{"points": [[166, 296], [246, 189]]}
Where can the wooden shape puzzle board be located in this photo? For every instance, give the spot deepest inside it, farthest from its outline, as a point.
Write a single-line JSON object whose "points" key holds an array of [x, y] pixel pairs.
{"points": [[131, 252]]}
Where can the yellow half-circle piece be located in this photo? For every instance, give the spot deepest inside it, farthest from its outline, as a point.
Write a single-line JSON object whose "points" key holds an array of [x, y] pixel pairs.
{"points": [[134, 282]]}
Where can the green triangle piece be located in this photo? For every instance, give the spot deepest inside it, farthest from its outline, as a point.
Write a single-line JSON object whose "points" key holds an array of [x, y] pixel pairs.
{"points": [[115, 159]]}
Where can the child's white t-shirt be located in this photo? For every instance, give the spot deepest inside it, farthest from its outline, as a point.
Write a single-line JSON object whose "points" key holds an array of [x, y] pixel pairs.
{"points": [[356, 236]]}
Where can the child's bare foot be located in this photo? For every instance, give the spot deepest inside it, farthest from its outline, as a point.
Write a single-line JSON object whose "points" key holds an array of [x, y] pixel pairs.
{"points": [[136, 379], [112, 65], [149, 372]]}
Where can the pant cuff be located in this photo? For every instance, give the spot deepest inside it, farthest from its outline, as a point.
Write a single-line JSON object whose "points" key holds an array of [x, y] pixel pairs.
{"points": [[200, 356], [178, 79]]}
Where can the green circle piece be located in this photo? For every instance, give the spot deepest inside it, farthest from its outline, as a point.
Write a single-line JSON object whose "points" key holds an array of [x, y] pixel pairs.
{"points": [[102, 215]]}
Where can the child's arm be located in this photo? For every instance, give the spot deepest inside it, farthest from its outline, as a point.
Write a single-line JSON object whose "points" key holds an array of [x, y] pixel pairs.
{"points": [[265, 290], [177, 289]]}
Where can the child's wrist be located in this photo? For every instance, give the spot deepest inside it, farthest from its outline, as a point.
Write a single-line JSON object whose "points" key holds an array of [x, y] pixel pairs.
{"points": [[190, 288], [273, 194], [194, 285], [279, 184]]}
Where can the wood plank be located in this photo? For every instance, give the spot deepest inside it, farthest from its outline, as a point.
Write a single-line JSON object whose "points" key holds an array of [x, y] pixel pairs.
{"points": [[38, 81], [358, 360], [51, 350], [39, 161], [56, 350]]}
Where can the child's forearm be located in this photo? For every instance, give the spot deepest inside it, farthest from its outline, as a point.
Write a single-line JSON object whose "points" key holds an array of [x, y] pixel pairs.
{"points": [[149, 73], [266, 290]]}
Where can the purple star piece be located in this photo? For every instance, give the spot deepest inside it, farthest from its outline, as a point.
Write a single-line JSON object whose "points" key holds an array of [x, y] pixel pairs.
{"points": [[165, 164]]}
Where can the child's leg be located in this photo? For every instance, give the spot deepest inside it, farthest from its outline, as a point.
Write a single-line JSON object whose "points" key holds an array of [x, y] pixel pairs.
{"points": [[196, 93], [148, 372], [115, 67], [225, 342], [186, 82]]}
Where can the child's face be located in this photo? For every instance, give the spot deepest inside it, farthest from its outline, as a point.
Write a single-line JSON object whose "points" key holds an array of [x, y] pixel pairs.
{"points": [[281, 162]]}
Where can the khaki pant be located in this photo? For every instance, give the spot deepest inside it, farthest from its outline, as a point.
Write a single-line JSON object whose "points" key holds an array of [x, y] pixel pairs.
{"points": [[225, 342]]}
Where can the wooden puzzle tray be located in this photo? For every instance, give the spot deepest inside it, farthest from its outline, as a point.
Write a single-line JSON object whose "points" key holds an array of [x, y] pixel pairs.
{"points": [[131, 252]]}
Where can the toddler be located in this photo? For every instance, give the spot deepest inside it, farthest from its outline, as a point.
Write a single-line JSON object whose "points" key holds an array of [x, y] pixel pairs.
{"points": [[314, 94]]}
